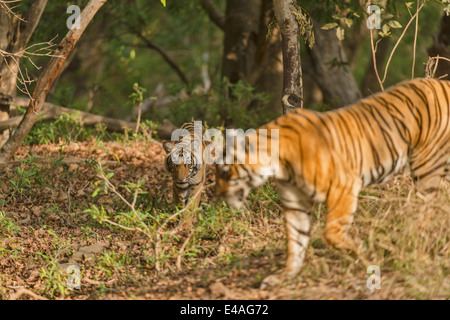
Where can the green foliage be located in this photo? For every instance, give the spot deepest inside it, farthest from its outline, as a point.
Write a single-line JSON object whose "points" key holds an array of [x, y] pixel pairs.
{"points": [[138, 95], [68, 127], [54, 277], [27, 177], [7, 225], [209, 107], [305, 24]]}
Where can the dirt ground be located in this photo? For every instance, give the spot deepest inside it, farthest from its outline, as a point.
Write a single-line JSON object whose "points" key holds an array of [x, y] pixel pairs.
{"points": [[45, 228]]}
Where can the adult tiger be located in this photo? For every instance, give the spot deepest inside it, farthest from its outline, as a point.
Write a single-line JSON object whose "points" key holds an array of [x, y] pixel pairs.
{"points": [[328, 157], [185, 163]]}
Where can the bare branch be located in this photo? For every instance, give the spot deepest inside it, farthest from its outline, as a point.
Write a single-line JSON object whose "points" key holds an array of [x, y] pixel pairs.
{"points": [[5, 6], [400, 39], [151, 45], [214, 13], [374, 51]]}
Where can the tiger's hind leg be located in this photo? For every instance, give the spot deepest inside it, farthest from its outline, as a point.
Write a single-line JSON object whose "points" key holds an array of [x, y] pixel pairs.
{"points": [[341, 207], [429, 172]]}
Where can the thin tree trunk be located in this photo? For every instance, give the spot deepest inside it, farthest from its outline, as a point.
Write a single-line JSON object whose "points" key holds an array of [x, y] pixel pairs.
{"points": [[46, 80], [292, 76]]}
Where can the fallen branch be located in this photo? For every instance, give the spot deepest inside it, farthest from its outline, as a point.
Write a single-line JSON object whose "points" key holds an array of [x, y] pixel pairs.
{"points": [[21, 291], [52, 112]]}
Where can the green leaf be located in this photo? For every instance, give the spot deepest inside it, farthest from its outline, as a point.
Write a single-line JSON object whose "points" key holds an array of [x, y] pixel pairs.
{"points": [[340, 33], [329, 26], [409, 4], [348, 22], [394, 24], [163, 3]]}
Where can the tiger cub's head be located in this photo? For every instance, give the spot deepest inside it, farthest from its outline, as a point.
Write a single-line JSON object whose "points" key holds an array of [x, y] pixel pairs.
{"points": [[187, 170]]}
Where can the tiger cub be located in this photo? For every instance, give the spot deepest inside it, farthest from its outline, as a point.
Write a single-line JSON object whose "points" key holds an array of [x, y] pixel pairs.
{"points": [[189, 172], [328, 157]]}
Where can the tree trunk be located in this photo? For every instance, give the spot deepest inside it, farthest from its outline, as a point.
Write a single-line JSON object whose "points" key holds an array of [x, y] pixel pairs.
{"points": [[14, 37], [46, 80], [441, 47], [329, 67], [267, 73], [248, 55], [240, 41], [292, 68]]}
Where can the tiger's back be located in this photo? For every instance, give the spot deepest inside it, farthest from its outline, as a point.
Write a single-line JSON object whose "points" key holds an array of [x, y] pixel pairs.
{"points": [[374, 138], [328, 157]]}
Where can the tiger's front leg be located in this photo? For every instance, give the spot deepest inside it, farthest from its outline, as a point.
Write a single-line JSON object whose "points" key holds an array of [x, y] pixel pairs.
{"points": [[297, 208], [298, 227]]}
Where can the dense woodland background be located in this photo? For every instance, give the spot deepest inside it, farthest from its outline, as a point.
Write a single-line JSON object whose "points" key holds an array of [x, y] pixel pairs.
{"points": [[186, 54], [82, 190]]}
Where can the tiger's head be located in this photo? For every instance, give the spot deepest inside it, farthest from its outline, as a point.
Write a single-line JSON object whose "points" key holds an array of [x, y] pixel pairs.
{"points": [[235, 181], [187, 170]]}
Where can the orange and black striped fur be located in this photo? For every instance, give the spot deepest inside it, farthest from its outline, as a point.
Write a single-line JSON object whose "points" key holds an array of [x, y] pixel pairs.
{"points": [[188, 178], [328, 157]]}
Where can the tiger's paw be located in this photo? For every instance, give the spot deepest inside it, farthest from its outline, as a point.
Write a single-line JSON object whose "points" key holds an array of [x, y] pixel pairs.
{"points": [[279, 278], [340, 241]]}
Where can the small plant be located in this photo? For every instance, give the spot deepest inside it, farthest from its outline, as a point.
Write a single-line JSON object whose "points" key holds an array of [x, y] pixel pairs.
{"points": [[137, 97], [54, 277], [26, 177], [68, 127], [7, 225]]}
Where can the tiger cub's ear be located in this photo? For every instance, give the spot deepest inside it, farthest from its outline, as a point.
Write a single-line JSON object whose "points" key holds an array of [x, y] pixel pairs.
{"points": [[168, 146]]}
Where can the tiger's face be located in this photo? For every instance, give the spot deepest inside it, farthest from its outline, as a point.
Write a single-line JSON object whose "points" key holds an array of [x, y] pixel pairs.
{"points": [[234, 183], [185, 174]]}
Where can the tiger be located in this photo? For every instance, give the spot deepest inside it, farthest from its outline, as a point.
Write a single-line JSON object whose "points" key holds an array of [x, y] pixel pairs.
{"points": [[189, 173], [327, 157]]}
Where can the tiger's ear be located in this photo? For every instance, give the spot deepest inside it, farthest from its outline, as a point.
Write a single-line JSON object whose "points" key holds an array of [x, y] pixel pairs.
{"points": [[168, 146]]}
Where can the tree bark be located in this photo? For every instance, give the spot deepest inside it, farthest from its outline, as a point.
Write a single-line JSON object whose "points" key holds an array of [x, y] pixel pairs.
{"points": [[14, 37], [292, 68], [248, 55], [329, 67], [46, 80], [240, 41]]}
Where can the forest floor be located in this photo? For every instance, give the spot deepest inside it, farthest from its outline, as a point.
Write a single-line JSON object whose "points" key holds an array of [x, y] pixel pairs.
{"points": [[56, 211]]}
